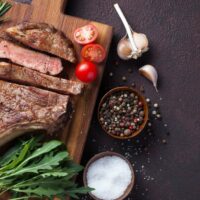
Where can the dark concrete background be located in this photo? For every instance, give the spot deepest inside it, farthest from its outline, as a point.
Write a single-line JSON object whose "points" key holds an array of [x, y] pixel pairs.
{"points": [[163, 171]]}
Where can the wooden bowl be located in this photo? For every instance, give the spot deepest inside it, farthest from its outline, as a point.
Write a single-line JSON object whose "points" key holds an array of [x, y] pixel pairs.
{"points": [[101, 155], [146, 110]]}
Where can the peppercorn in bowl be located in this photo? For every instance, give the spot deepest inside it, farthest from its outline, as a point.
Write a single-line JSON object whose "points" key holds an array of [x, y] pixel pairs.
{"points": [[123, 112]]}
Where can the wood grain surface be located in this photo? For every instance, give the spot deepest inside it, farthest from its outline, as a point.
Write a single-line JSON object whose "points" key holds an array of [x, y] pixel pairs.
{"points": [[51, 11]]}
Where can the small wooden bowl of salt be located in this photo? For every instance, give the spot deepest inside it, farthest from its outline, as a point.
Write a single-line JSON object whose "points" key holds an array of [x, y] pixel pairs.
{"points": [[110, 175]]}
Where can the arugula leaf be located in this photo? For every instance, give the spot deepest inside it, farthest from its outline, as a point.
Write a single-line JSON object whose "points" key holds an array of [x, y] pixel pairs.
{"points": [[17, 160], [39, 170], [42, 191], [81, 190], [47, 147], [46, 163], [10, 155], [47, 182], [4, 7], [54, 174]]}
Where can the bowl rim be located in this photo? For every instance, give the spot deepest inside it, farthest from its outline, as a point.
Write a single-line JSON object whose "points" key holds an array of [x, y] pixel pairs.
{"points": [[141, 97], [104, 154]]}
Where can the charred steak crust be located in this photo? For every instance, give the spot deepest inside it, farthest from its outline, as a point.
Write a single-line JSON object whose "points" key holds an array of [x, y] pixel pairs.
{"points": [[44, 37], [25, 108], [18, 74]]}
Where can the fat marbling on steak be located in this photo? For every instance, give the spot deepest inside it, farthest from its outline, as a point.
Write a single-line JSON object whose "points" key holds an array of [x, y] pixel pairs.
{"points": [[29, 58], [23, 75], [44, 37], [24, 108]]}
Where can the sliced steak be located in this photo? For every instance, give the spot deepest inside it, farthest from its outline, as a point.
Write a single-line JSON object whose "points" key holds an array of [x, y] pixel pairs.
{"points": [[24, 108], [44, 37], [18, 74], [30, 59]]}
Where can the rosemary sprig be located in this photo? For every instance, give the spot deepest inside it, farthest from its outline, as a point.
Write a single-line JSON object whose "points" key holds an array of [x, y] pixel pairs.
{"points": [[4, 8]]}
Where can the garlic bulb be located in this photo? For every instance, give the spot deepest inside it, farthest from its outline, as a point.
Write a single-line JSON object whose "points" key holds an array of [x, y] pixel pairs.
{"points": [[124, 48], [150, 73], [133, 44]]}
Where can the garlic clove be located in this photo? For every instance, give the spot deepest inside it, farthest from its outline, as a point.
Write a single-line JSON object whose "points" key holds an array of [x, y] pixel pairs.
{"points": [[124, 49], [141, 41], [150, 73]]}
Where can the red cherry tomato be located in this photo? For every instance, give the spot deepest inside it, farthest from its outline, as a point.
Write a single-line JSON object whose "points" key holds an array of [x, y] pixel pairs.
{"points": [[86, 34], [93, 52], [86, 71]]}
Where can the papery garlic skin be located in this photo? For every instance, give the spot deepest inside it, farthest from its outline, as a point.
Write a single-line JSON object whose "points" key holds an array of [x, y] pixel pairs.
{"points": [[150, 73]]}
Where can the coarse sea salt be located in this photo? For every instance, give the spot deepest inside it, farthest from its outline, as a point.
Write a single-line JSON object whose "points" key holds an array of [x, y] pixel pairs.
{"points": [[109, 176]]}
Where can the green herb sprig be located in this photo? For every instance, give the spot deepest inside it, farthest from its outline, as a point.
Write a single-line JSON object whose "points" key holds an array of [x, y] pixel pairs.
{"points": [[32, 169], [4, 8]]}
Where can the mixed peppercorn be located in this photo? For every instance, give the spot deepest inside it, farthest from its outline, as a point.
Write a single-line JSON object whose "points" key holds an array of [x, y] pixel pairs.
{"points": [[122, 113]]}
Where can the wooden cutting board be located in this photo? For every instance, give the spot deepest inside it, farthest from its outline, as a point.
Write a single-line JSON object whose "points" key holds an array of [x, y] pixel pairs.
{"points": [[51, 11]]}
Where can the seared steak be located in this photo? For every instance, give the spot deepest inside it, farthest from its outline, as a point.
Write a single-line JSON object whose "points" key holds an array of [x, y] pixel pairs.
{"points": [[24, 108], [44, 37], [18, 74], [31, 59]]}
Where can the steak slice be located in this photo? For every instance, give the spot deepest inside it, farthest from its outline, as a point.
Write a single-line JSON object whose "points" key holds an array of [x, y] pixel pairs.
{"points": [[24, 108], [44, 37], [18, 74], [30, 59]]}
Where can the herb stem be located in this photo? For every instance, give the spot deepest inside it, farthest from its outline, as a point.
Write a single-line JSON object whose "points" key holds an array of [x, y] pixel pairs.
{"points": [[4, 191], [127, 26], [23, 198]]}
